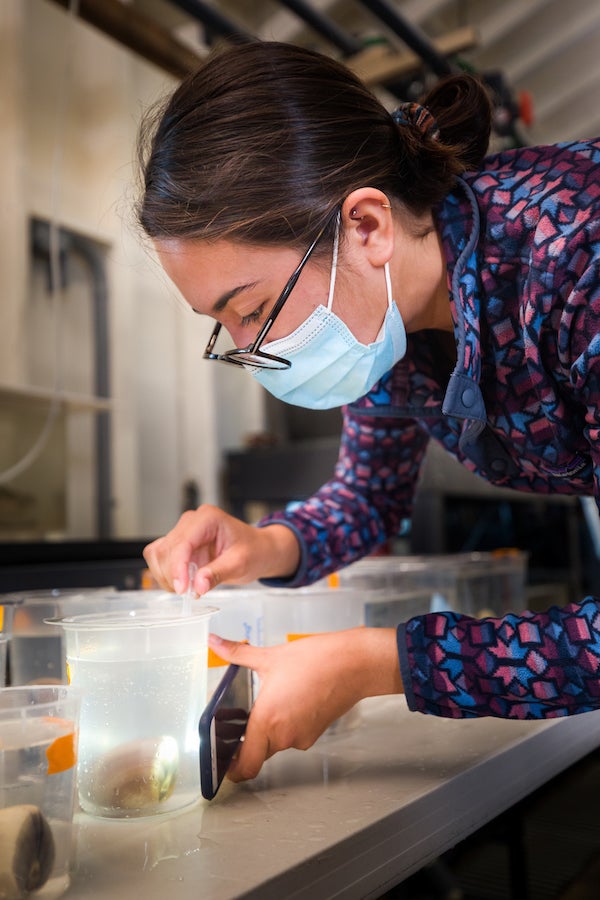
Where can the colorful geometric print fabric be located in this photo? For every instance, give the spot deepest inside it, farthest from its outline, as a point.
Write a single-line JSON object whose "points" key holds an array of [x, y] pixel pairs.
{"points": [[532, 666], [520, 404]]}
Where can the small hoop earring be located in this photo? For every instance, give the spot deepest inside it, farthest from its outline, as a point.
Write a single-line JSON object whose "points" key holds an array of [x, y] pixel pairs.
{"points": [[354, 213]]}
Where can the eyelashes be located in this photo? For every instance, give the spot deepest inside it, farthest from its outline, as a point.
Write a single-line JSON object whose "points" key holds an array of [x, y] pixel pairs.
{"points": [[254, 317]]}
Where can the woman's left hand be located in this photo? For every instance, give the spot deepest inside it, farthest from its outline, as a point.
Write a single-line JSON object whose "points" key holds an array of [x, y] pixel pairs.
{"points": [[306, 684]]}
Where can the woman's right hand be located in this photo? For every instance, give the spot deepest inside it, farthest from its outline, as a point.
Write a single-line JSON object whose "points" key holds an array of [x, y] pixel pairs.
{"points": [[224, 548]]}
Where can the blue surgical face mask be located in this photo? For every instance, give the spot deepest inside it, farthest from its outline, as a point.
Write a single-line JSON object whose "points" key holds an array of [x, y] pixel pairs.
{"points": [[330, 367]]}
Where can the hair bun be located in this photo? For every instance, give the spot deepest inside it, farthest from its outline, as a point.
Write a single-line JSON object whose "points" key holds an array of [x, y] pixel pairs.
{"points": [[418, 116]]}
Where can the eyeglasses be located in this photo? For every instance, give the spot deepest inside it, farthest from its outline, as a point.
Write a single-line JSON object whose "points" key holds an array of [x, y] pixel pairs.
{"points": [[252, 355]]}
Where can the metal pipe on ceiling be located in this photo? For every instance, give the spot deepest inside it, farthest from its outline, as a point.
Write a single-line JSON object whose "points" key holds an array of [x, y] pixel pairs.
{"points": [[413, 37], [214, 20], [347, 43]]}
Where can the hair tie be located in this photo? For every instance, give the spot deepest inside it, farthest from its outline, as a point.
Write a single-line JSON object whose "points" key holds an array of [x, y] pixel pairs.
{"points": [[419, 116]]}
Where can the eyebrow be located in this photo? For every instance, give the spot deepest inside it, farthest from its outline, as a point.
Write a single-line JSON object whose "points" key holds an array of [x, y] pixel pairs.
{"points": [[220, 304]]}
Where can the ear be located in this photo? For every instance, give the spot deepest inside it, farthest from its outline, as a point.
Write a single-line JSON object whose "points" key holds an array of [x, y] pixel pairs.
{"points": [[369, 225]]}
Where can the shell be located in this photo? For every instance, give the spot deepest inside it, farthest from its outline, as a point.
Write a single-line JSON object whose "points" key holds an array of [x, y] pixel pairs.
{"points": [[26, 851], [137, 775]]}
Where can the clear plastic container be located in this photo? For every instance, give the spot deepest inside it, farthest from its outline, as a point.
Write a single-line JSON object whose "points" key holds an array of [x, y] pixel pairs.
{"points": [[38, 759], [3, 646], [8, 603], [476, 584], [297, 612], [143, 676], [291, 614], [239, 616], [7, 609], [37, 649]]}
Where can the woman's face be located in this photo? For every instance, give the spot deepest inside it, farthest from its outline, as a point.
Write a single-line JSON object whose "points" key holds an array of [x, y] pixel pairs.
{"points": [[237, 285]]}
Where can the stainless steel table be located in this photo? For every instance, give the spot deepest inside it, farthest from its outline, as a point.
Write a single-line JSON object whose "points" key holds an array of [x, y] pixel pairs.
{"points": [[349, 818]]}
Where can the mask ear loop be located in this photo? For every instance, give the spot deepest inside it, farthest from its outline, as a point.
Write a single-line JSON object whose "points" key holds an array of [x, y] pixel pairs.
{"points": [[336, 243], [388, 284]]}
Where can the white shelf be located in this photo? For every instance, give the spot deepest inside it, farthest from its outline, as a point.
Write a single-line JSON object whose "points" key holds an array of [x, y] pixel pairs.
{"points": [[70, 399]]}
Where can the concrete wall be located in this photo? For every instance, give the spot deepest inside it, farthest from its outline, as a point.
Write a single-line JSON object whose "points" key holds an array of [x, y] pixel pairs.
{"points": [[70, 104]]}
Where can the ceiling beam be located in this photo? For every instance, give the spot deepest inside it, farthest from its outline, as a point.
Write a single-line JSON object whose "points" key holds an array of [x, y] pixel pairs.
{"points": [[378, 64], [410, 34], [137, 32]]}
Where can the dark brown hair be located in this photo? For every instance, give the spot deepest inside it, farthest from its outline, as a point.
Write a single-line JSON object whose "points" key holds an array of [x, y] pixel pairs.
{"points": [[265, 139]]}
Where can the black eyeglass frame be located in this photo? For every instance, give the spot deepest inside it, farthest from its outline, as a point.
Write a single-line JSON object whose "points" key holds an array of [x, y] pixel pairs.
{"points": [[252, 355]]}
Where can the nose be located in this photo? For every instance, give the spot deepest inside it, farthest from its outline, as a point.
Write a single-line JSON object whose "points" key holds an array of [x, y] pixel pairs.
{"points": [[238, 337]]}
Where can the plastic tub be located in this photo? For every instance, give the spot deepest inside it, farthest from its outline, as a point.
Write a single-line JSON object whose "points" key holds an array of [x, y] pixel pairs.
{"points": [[38, 758], [291, 614], [8, 603], [37, 649], [476, 584], [297, 612], [7, 608], [3, 646], [239, 616]]}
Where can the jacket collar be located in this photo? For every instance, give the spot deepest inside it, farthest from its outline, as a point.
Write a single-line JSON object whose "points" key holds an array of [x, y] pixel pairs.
{"points": [[458, 222], [459, 225]]}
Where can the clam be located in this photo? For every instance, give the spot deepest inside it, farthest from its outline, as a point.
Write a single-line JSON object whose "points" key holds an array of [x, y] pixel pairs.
{"points": [[26, 851], [136, 775]]}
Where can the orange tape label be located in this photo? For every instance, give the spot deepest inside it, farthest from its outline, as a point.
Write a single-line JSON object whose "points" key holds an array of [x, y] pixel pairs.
{"points": [[62, 754], [1, 617], [215, 661], [297, 637]]}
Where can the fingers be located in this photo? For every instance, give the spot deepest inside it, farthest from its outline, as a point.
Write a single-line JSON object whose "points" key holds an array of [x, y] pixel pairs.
{"points": [[273, 723], [224, 548], [306, 685], [168, 559], [191, 540], [152, 556], [254, 750]]}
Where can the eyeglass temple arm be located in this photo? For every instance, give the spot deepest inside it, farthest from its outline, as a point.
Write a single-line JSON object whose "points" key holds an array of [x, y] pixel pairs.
{"points": [[276, 309], [286, 292], [281, 300], [213, 339], [274, 312]]}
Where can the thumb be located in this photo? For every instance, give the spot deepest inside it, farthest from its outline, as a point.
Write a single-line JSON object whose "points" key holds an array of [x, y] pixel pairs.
{"points": [[225, 568], [238, 652]]}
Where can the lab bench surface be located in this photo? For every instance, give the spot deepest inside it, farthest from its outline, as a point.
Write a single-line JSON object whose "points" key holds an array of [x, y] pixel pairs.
{"points": [[357, 813]]}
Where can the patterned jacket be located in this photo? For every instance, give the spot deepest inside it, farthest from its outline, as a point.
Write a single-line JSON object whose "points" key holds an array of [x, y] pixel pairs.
{"points": [[521, 409]]}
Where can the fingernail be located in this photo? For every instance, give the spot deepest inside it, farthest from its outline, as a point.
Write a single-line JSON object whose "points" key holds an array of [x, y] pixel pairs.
{"points": [[178, 585]]}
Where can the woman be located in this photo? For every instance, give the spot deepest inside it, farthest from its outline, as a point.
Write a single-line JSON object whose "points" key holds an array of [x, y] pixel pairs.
{"points": [[378, 262]]}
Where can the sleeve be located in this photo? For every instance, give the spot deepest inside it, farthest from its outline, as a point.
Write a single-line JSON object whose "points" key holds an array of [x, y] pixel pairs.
{"points": [[365, 502], [529, 666], [579, 351]]}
